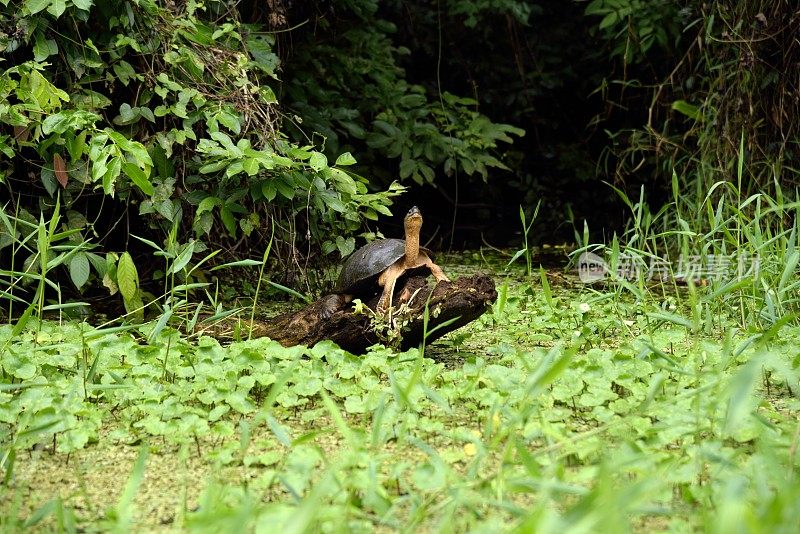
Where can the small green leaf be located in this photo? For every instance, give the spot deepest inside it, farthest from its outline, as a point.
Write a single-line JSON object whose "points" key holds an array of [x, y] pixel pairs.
{"points": [[183, 258], [127, 115], [53, 123], [110, 177], [250, 166], [230, 121], [208, 204], [407, 167], [318, 161], [43, 48], [346, 159], [285, 189], [609, 20], [269, 190], [228, 220], [24, 371], [685, 108], [147, 113]]}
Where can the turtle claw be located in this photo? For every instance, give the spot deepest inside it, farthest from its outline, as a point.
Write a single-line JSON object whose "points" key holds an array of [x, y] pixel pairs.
{"points": [[331, 304]]}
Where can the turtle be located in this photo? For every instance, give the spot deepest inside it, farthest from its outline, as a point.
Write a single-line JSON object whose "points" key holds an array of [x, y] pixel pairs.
{"points": [[380, 263]]}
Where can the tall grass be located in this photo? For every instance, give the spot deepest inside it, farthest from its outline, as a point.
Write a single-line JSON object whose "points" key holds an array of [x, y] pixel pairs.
{"points": [[742, 250], [44, 248], [43, 255]]}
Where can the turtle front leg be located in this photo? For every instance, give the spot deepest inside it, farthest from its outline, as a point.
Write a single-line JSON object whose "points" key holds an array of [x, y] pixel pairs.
{"points": [[388, 280], [436, 271]]}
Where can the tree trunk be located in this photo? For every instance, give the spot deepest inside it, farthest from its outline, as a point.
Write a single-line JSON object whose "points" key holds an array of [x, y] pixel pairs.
{"points": [[461, 301]]}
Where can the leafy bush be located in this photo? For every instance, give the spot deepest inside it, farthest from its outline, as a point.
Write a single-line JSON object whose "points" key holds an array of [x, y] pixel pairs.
{"points": [[345, 82], [167, 109], [704, 75], [530, 64], [633, 27]]}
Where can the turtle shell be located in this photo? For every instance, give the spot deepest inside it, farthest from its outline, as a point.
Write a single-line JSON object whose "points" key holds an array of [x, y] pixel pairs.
{"points": [[362, 268]]}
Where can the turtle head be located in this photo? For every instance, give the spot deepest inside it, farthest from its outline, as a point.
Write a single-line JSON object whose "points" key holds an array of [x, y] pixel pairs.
{"points": [[413, 219], [412, 223]]}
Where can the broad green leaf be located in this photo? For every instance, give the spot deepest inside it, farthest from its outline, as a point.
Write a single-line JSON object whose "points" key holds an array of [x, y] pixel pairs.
{"points": [[208, 204], [43, 47], [127, 277], [333, 202], [285, 189], [609, 20], [147, 113], [110, 177], [412, 100], [228, 220], [230, 121], [407, 167], [26, 371], [57, 7], [120, 140], [269, 190], [35, 6], [79, 269], [250, 166], [54, 123], [138, 177], [127, 115], [214, 167], [227, 143], [135, 306]]}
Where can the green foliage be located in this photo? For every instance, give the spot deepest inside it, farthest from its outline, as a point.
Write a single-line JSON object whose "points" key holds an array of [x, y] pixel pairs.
{"points": [[475, 12], [711, 73], [526, 249], [660, 421], [740, 251], [463, 143], [529, 64], [99, 156], [633, 27], [168, 108], [37, 249], [350, 88]]}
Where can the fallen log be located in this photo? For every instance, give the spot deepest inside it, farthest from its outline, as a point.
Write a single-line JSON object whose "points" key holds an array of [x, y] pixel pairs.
{"points": [[461, 301]]}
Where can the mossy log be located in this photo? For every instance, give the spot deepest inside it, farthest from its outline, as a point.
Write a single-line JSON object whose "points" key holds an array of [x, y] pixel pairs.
{"points": [[462, 301]]}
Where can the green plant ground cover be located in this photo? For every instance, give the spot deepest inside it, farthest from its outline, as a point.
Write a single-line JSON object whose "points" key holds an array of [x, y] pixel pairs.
{"points": [[564, 408]]}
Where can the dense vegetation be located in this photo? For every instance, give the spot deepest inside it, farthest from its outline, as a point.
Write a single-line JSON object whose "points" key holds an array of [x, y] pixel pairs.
{"points": [[168, 167]]}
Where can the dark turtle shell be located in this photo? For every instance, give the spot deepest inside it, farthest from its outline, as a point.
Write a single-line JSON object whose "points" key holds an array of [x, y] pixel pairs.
{"points": [[361, 270]]}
